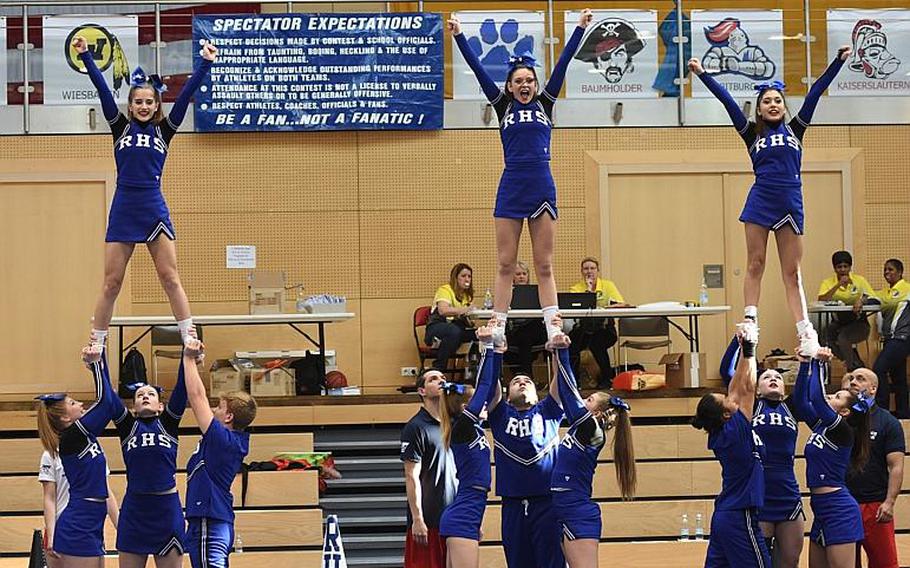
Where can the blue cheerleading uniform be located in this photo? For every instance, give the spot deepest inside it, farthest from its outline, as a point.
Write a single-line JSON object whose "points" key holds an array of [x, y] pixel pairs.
{"points": [[138, 213], [777, 425], [576, 459], [80, 527], [209, 502], [736, 539], [525, 444], [151, 517], [471, 453], [526, 188], [776, 198], [837, 517]]}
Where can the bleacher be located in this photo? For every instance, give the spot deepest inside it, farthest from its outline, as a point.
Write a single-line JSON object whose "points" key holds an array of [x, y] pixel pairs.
{"points": [[281, 520]]}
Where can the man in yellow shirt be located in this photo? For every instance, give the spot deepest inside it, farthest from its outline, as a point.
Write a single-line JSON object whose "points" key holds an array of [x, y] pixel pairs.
{"points": [[595, 334], [847, 328], [892, 361]]}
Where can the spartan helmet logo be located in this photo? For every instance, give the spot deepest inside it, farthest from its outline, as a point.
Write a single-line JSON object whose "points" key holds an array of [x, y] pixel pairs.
{"points": [[870, 51], [610, 46]]}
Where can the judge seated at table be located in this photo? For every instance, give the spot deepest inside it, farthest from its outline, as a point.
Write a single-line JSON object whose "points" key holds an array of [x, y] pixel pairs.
{"points": [[523, 334], [595, 334], [846, 329]]}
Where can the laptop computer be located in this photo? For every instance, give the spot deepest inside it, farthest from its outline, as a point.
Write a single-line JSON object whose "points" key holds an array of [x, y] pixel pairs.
{"points": [[577, 300], [524, 297]]}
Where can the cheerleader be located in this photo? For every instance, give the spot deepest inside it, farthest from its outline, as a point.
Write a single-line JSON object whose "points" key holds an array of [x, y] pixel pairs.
{"points": [[460, 415], [138, 213], [727, 420], [775, 202], [839, 440], [576, 460], [71, 432], [526, 189]]}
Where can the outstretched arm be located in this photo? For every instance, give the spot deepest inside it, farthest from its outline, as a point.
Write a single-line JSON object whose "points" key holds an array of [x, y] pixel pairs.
{"points": [[554, 85], [817, 397], [802, 406], [569, 396], [176, 404], [195, 390], [108, 105], [742, 386], [740, 123], [490, 90], [108, 405], [178, 111], [486, 374], [822, 83]]}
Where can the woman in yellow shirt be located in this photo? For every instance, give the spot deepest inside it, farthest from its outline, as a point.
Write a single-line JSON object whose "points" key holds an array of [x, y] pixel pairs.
{"points": [[448, 323], [847, 328], [595, 334], [892, 361]]}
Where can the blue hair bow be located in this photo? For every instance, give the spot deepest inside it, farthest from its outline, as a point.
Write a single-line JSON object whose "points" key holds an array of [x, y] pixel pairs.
{"points": [[617, 402], [863, 404], [776, 85], [136, 386], [49, 398], [138, 78], [452, 388], [524, 60]]}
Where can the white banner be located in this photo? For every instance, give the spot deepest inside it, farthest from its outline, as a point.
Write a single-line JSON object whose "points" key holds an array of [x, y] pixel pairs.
{"points": [[617, 56], [495, 36], [880, 61], [3, 54], [740, 49], [114, 43]]}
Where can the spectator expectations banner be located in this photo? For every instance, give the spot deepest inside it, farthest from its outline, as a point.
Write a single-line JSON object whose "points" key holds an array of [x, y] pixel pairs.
{"points": [[321, 72]]}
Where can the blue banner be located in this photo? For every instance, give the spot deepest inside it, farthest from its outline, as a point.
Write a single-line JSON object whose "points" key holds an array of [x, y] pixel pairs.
{"points": [[321, 72]]}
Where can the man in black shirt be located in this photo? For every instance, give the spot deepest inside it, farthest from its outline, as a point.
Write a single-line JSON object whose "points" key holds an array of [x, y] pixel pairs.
{"points": [[429, 474], [876, 488]]}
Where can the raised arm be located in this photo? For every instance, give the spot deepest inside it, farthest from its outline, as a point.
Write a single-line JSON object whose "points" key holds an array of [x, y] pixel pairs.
{"points": [[176, 404], [817, 398], [178, 111], [740, 123], [108, 405], [742, 386], [554, 85], [485, 375], [490, 90], [108, 104], [800, 397], [822, 83], [195, 390], [570, 398]]}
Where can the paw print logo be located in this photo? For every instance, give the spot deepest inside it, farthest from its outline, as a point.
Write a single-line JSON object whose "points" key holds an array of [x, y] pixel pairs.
{"points": [[495, 46]]}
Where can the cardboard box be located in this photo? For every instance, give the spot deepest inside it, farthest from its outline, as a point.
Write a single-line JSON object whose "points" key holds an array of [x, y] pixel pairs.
{"points": [[266, 292], [684, 371], [272, 382], [225, 376]]}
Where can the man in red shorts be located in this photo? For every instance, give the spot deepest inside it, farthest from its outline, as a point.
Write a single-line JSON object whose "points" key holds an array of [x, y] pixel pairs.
{"points": [[876, 488]]}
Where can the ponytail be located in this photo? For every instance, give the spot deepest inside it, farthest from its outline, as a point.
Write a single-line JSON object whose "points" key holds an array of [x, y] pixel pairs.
{"points": [[861, 423], [451, 404], [50, 425], [624, 455]]}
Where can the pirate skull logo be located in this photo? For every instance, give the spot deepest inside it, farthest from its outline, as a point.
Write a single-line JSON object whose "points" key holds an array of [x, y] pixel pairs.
{"points": [[870, 51], [610, 47]]}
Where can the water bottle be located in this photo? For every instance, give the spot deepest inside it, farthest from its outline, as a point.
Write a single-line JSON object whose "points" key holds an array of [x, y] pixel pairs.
{"points": [[488, 300], [301, 300], [684, 530], [703, 294], [699, 528], [238, 543]]}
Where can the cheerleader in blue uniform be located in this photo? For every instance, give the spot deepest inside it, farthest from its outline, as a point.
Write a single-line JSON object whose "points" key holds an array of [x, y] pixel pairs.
{"points": [[138, 212], [151, 518], [461, 413], [735, 533], [69, 430], [840, 439], [576, 460], [775, 202], [526, 189], [776, 420]]}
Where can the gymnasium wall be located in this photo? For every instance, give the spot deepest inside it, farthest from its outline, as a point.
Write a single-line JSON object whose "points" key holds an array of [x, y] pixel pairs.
{"points": [[382, 217]]}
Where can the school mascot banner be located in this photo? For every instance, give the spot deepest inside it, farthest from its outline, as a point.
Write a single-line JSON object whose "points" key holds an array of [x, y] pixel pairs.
{"points": [[880, 61]]}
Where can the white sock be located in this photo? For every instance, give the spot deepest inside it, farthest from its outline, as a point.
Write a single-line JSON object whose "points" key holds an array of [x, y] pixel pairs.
{"points": [[99, 336], [549, 313], [500, 318], [803, 326], [751, 312], [184, 327]]}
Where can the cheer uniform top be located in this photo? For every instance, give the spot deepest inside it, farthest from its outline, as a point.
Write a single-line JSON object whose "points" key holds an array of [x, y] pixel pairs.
{"points": [[526, 189], [775, 200], [471, 453], [149, 447], [776, 422], [576, 460], [80, 527], [138, 213], [837, 517]]}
